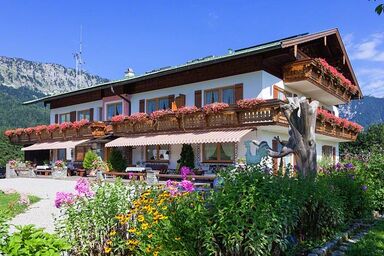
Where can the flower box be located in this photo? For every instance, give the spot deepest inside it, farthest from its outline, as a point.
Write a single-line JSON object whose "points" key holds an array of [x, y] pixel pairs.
{"points": [[123, 127], [192, 121], [145, 126], [225, 118], [168, 122]]}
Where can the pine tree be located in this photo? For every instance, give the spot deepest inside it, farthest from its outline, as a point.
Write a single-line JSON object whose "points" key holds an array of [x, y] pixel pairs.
{"points": [[187, 157], [117, 160]]}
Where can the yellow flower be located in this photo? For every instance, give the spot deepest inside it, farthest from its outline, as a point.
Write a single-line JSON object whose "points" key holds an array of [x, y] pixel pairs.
{"points": [[145, 226], [107, 249], [150, 235], [164, 208], [112, 233], [148, 249], [177, 238], [132, 230], [140, 218], [109, 242], [132, 242], [155, 253]]}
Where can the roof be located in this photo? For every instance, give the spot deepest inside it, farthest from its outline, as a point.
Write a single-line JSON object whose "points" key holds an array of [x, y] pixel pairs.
{"points": [[276, 44]]}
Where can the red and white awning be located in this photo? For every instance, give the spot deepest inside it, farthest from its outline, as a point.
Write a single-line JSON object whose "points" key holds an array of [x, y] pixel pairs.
{"points": [[213, 136], [54, 145]]}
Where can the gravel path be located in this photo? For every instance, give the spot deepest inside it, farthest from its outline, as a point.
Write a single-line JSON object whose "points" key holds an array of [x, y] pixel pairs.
{"points": [[42, 213]]}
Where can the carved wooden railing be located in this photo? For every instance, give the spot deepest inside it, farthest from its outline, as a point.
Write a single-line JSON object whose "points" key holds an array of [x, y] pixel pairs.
{"points": [[267, 113], [311, 71]]}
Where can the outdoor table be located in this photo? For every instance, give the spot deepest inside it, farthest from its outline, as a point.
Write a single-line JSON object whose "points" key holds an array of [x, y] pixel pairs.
{"points": [[137, 169]]}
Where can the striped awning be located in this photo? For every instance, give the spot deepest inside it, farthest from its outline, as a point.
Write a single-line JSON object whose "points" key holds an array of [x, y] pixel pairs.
{"points": [[54, 145], [213, 136]]}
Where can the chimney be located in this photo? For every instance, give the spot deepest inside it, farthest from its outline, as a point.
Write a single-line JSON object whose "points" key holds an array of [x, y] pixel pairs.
{"points": [[230, 51], [129, 73]]}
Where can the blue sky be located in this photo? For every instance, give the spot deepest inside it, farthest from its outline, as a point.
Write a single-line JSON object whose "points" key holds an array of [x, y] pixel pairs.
{"points": [[146, 35]]}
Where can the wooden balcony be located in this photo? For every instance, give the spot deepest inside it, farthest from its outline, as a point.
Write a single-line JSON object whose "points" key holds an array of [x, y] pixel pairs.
{"points": [[311, 79], [264, 114]]}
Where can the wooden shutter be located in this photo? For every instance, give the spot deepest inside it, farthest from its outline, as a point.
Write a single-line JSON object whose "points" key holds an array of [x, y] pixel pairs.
{"points": [[72, 116], [56, 119], [238, 92], [142, 106], [171, 98], [275, 166], [198, 99], [180, 100], [91, 115], [275, 92]]}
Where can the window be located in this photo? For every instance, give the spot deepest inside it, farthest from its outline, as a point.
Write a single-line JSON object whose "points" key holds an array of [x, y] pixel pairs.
{"points": [[157, 153], [100, 114], [80, 152], [114, 109], [85, 114], [64, 118], [329, 153], [61, 154], [280, 93], [225, 94], [157, 104], [219, 152]]}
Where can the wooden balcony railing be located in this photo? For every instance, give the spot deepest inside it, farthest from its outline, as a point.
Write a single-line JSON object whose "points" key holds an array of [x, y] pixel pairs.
{"points": [[312, 71], [266, 113]]}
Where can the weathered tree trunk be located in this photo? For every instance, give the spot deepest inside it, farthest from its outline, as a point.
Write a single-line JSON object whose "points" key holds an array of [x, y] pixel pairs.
{"points": [[301, 116]]}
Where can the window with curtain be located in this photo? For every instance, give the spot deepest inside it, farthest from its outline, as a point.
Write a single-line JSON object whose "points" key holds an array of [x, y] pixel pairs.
{"points": [[114, 109], [211, 96], [84, 114], [61, 154], [64, 118], [229, 95], [157, 104], [157, 153], [219, 152], [224, 94]]}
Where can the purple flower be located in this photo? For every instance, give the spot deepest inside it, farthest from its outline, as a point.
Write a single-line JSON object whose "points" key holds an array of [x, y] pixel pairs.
{"points": [[64, 198], [338, 166], [130, 175], [364, 187], [349, 166], [83, 189], [187, 185], [185, 171]]}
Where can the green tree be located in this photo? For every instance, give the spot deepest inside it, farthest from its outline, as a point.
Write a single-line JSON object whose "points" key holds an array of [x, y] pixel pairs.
{"points": [[367, 141], [89, 158], [187, 157], [117, 160]]}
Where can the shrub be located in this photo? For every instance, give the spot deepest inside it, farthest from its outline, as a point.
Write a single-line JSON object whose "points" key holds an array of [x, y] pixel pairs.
{"points": [[117, 160], [187, 157], [86, 219], [28, 240], [89, 158]]}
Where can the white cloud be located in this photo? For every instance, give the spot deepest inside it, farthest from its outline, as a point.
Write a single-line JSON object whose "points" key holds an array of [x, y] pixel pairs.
{"points": [[367, 49]]}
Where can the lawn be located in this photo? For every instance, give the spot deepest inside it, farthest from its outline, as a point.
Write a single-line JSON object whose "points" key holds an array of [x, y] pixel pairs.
{"points": [[372, 244], [9, 206]]}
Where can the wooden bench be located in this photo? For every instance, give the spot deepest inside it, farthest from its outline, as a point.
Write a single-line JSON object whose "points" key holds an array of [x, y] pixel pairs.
{"points": [[131, 176]]}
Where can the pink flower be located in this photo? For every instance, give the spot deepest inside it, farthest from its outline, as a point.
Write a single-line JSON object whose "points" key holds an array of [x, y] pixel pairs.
{"points": [[78, 124], [64, 198], [52, 127], [214, 107], [187, 185], [9, 133], [186, 110], [185, 171], [249, 103], [29, 130], [138, 117], [64, 126], [118, 118], [83, 189], [160, 113], [19, 131]]}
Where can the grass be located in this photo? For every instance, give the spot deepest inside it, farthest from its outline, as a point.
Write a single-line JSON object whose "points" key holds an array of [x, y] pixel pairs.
{"points": [[9, 206], [372, 244]]}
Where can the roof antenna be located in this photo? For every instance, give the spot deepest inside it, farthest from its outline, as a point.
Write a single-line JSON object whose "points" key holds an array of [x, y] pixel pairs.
{"points": [[79, 62]]}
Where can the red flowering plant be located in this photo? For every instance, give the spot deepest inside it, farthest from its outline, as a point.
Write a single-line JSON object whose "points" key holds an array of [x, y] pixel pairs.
{"points": [[249, 103], [19, 131], [65, 126], [186, 110], [155, 115], [118, 119], [9, 133], [214, 108], [325, 116], [138, 117], [335, 73], [78, 124], [40, 128], [29, 130]]}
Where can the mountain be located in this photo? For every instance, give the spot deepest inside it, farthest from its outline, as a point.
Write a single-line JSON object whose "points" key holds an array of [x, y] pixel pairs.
{"points": [[367, 111], [22, 80], [46, 78]]}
